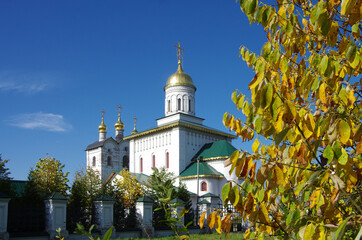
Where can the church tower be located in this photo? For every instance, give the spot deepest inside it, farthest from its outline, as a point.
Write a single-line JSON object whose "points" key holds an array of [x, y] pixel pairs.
{"points": [[179, 90]]}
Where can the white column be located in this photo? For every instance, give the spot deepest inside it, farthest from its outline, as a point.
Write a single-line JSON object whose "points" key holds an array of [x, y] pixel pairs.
{"points": [[144, 211], [56, 214], [4, 203], [104, 213]]}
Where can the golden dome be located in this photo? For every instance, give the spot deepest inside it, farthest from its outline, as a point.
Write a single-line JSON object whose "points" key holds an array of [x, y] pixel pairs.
{"points": [[180, 78], [119, 124], [102, 128]]}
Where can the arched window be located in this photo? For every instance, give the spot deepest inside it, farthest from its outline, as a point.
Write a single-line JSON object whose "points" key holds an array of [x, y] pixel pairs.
{"points": [[109, 161], [169, 105], [141, 165], [203, 186], [153, 161], [167, 160], [94, 162], [126, 162], [179, 104], [189, 105]]}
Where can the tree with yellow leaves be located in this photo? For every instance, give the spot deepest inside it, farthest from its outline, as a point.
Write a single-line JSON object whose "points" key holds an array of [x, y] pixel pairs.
{"points": [[304, 117], [129, 188]]}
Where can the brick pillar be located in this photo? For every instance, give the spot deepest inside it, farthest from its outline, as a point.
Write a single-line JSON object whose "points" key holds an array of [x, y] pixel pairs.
{"points": [[144, 212], [104, 213], [56, 214]]}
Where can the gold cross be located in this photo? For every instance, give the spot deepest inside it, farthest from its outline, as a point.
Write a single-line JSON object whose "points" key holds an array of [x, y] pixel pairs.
{"points": [[103, 112], [179, 51], [119, 108]]}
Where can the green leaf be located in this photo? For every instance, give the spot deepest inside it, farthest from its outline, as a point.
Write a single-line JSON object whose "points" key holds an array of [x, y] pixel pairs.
{"points": [[280, 136], [251, 7], [268, 95], [225, 191], [323, 65], [338, 234], [328, 153], [108, 234], [257, 124], [351, 51], [343, 159], [234, 97]]}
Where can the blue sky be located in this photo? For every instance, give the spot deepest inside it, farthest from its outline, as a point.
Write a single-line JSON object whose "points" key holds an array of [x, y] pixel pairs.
{"points": [[61, 62]]}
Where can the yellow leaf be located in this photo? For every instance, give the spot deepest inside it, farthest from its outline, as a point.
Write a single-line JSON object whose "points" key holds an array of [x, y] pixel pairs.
{"points": [[309, 231], [263, 214], [211, 220], [279, 177], [305, 22], [322, 93], [202, 219], [359, 147], [344, 131], [218, 224], [255, 145]]}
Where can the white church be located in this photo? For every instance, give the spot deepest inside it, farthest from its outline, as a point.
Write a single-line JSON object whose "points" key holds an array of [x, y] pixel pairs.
{"points": [[178, 140]]}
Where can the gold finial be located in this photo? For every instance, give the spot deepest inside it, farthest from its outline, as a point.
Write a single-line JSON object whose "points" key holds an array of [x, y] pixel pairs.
{"points": [[179, 53], [134, 125], [119, 124], [102, 127]]}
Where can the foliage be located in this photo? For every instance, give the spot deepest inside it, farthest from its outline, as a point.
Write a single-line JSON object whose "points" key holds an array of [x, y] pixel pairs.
{"points": [[161, 188], [128, 186], [81, 231], [48, 177], [5, 184], [305, 118], [86, 187]]}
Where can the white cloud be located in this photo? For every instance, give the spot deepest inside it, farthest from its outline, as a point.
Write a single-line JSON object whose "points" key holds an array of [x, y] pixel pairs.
{"points": [[42, 121], [30, 83]]}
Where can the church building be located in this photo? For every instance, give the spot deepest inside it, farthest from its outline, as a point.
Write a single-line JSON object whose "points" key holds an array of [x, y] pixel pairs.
{"points": [[176, 143]]}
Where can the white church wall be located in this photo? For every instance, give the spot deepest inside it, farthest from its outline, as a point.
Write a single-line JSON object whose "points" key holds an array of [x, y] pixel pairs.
{"points": [[97, 154], [184, 93]]}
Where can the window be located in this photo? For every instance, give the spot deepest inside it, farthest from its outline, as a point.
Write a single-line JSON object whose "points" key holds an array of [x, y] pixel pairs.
{"points": [[203, 186], [153, 161], [94, 161], [126, 162], [141, 165], [189, 105], [179, 104], [167, 160], [126, 149], [109, 161], [169, 105]]}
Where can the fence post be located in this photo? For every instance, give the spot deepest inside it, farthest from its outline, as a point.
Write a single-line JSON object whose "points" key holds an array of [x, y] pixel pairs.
{"points": [[179, 207], [203, 206], [104, 206], [4, 203], [56, 214], [144, 213]]}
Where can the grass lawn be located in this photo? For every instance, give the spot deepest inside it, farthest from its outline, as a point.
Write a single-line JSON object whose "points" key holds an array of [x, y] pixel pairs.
{"points": [[214, 236]]}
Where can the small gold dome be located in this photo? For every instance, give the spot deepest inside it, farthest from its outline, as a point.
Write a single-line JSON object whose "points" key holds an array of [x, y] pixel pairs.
{"points": [[180, 78], [102, 128], [119, 125]]}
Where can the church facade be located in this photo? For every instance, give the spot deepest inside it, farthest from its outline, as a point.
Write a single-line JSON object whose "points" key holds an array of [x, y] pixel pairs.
{"points": [[176, 143]]}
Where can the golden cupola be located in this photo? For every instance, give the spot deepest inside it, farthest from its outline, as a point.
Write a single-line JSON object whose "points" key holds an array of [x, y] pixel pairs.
{"points": [[119, 124], [180, 78], [102, 127]]}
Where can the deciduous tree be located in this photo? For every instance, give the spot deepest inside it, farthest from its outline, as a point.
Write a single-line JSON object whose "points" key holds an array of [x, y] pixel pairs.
{"points": [[304, 117], [48, 177]]}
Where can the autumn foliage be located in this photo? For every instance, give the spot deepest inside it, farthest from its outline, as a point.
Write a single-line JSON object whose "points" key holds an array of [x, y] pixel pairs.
{"points": [[303, 178]]}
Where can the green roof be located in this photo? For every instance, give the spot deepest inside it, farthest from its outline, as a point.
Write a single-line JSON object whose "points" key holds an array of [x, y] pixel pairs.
{"points": [[204, 202], [204, 169], [209, 195], [141, 178], [56, 196], [104, 198], [216, 149], [145, 199], [18, 187]]}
